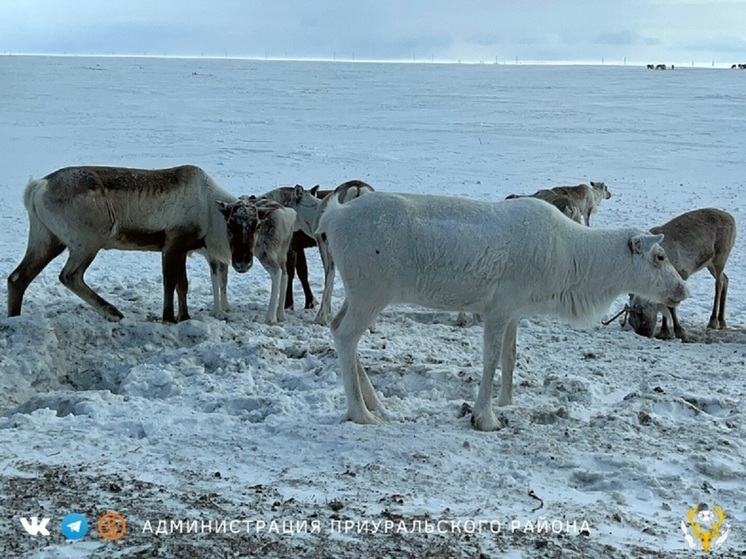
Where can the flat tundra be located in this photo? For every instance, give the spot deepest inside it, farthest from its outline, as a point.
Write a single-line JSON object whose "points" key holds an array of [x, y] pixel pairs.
{"points": [[693, 241], [506, 260], [87, 209]]}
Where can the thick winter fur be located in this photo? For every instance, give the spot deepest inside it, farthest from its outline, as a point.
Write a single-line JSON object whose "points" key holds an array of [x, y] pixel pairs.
{"points": [[87, 209], [309, 209], [277, 225], [296, 257], [563, 203], [585, 198], [505, 260], [695, 240]]}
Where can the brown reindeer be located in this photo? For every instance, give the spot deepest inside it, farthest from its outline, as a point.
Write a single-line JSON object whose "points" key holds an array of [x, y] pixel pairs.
{"points": [[173, 211], [559, 201], [586, 198], [692, 241]]}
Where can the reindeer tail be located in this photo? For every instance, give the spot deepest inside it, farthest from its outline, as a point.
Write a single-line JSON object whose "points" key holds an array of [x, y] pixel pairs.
{"points": [[30, 191]]}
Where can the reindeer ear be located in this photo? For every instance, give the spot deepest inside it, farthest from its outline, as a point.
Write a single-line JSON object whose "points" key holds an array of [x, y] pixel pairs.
{"points": [[315, 189], [642, 244], [298, 193], [224, 207]]}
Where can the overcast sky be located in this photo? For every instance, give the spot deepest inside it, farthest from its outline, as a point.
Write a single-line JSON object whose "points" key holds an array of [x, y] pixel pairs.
{"points": [[469, 30]]}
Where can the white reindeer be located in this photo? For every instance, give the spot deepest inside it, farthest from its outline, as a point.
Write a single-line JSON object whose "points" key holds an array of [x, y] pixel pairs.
{"points": [[174, 211], [504, 260], [695, 240], [309, 209]]}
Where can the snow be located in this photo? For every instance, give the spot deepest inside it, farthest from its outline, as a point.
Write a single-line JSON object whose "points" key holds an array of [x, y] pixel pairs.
{"points": [[213, 421]]}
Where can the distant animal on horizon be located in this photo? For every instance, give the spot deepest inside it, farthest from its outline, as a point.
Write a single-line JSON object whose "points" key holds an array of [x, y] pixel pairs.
{"points": [[563, 203], [309, 209], [738, 66], [506, 260], [173, 211], [296, 258], [585, 198], [695, 240], [651, 66]]}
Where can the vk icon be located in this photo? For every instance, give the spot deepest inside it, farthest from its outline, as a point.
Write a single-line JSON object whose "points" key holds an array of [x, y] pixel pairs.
{"points": [[74, 526]]}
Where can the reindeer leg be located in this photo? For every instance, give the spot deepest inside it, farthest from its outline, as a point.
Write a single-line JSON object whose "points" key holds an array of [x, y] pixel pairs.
{"points": [[170, 267], [224, 287], [665, 331], [182, 287], [678, 330], [325, 309], [717, 317], [219, 280], [275, 274], [71, 277], [40, 252], [721, 307], [301, 265], [347, 329], [292, 258], [499, 344], [284, 283]]}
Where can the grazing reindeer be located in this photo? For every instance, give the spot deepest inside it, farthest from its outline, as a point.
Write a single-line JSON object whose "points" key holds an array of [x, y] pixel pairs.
{"points": [[586, 198], [174, 211], [296, 258], [693, 241], [506, 260], [276, 227], [559, 201], [310, 209]]}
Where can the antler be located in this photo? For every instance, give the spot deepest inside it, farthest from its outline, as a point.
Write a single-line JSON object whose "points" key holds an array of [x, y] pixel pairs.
{"points": [[625, 310]]}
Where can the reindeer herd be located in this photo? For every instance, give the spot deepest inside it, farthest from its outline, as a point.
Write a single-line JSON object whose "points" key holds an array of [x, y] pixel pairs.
{"points": [[526, 256]]}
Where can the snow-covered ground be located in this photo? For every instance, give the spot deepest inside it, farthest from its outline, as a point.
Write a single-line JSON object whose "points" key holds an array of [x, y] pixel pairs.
{"points": [[189, 425]]}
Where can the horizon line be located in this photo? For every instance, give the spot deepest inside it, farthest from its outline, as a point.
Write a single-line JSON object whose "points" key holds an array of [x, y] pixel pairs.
{"points": [[432, 60]]}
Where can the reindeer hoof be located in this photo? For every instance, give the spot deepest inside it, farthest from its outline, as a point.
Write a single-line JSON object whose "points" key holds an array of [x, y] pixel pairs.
{"points": [[363, 417], [111, 312], [487, 421]]}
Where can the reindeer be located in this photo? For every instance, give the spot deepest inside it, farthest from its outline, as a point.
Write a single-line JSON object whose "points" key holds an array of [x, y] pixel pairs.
{"points": [[586, 198], [276, 228], [695, 240], [309, 209], [506, 260], [296, 257], [563, 203], [174, 211]]}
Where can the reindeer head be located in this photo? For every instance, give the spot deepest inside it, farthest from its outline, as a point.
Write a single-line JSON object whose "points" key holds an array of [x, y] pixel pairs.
{"points": [[642, 315], [602, 189], [659, 284], [243, 221]]}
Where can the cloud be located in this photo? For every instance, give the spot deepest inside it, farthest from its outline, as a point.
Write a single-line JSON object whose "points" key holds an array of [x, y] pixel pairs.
{"points": [[622, 38], [384, 29]]}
